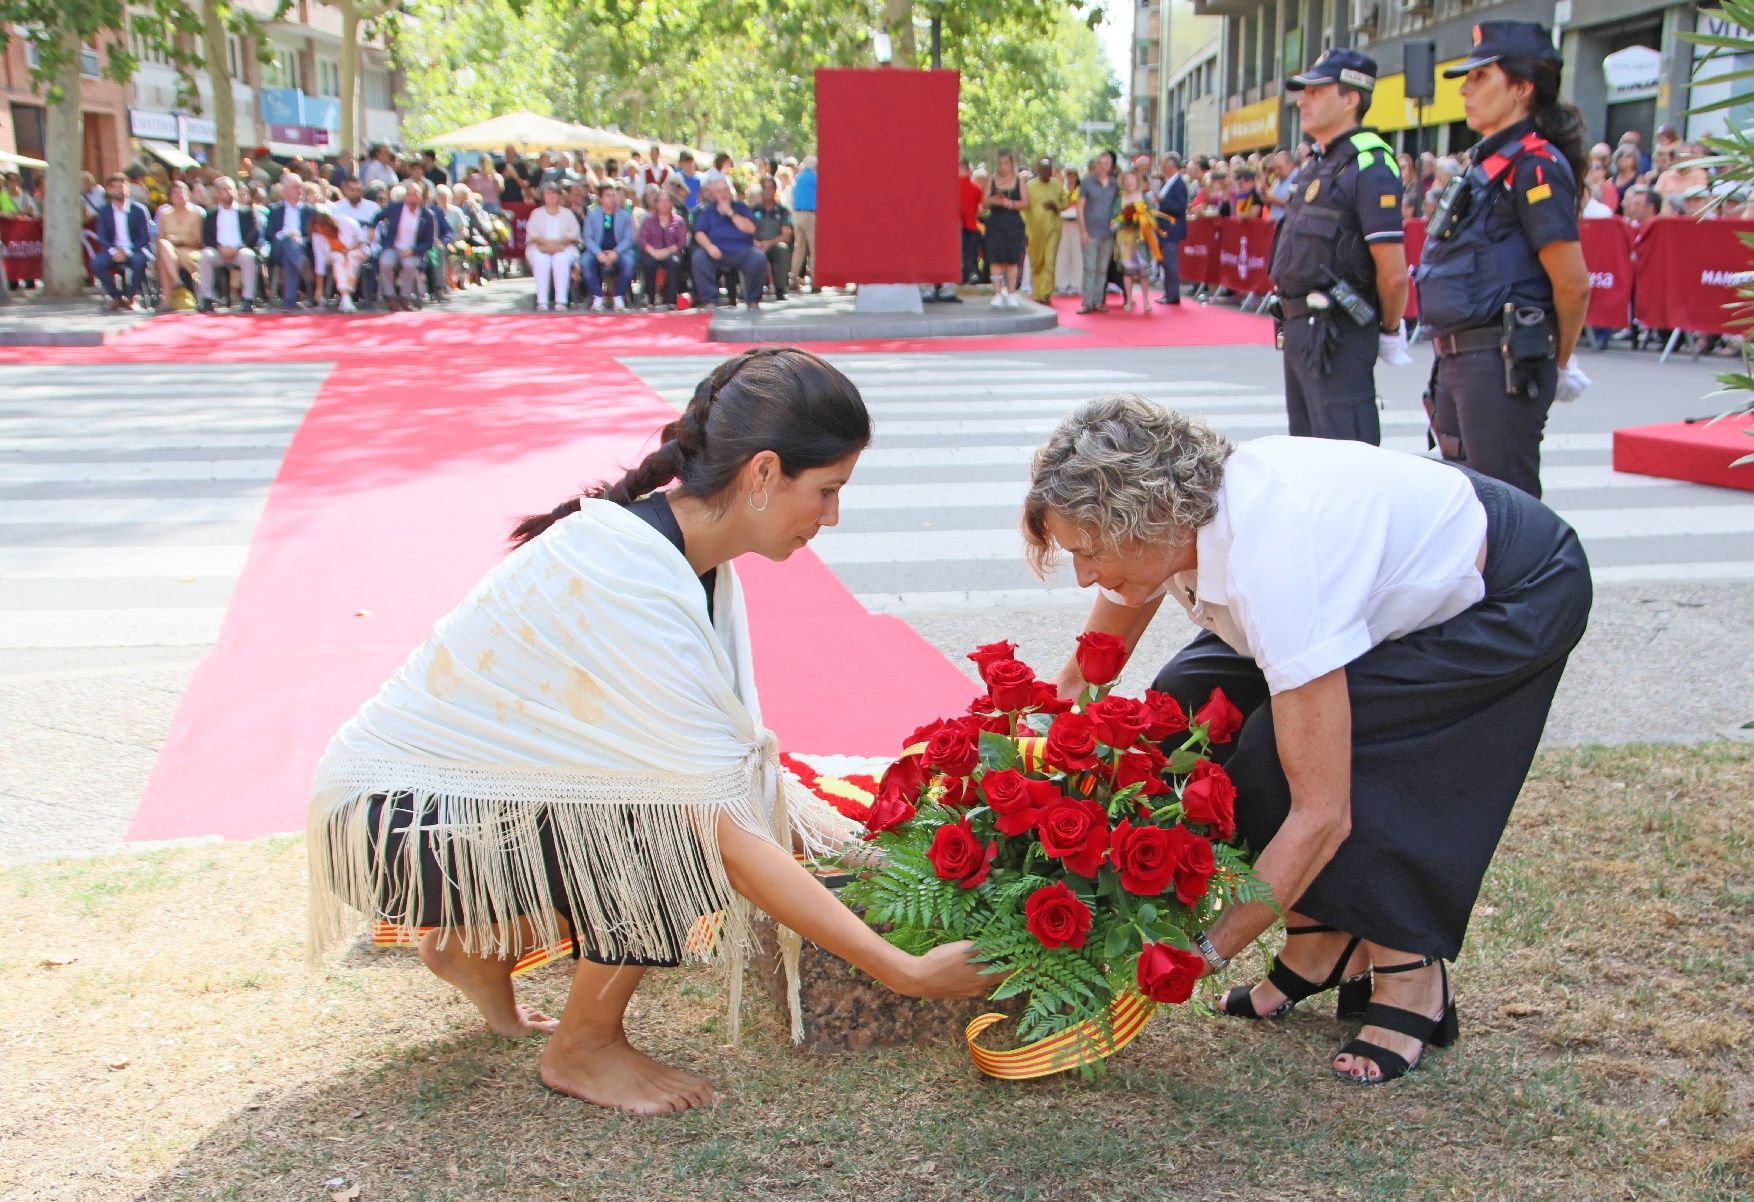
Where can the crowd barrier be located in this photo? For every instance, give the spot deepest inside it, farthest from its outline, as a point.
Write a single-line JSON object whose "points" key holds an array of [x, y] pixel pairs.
{"points": [[21, 240], [1671, 274]]}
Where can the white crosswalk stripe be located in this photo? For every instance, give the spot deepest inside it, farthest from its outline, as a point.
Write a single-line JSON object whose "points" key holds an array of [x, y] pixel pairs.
{"points": [[930, 520], [128, 495]]}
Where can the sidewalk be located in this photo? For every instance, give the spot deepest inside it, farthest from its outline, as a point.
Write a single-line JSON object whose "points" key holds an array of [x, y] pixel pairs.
{"points": [[31, 319]]}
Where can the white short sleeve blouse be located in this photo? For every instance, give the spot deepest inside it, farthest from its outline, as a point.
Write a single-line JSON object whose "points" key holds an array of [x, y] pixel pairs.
{"points": [[1321, 549]]}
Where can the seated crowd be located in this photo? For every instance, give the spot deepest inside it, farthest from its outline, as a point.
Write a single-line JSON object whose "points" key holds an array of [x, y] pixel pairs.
{"points": [[399, 232]]}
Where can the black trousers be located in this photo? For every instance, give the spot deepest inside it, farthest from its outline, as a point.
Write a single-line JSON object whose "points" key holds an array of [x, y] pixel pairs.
{"points": [[650, 269], [1341, 401], [1500, 434], [971, 256], [1445, 722]]}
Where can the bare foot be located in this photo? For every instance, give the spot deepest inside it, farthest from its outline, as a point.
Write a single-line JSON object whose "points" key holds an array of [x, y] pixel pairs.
{"points": [[619, 1076], [487, 983]]}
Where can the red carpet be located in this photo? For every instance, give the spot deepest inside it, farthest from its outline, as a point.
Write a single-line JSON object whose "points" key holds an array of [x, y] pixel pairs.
{"points": [[432, 434], [1701, 452], [394, 497]]}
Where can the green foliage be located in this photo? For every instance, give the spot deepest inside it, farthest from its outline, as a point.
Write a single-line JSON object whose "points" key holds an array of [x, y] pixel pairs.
{"points": [[739, 73], [61, 28]]}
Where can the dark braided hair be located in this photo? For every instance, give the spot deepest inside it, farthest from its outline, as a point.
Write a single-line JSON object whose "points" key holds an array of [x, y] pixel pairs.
{"points": [[777, 398]]}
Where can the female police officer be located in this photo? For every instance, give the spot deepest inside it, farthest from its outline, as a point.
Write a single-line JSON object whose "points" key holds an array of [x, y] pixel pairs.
{"points": [[1502, 283]]}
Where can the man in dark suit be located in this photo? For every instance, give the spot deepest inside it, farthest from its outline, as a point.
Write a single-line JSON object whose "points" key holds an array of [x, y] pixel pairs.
{"points": [[1172, 227], [288, 238], [406, 233], [124, 235], [229, 238]]}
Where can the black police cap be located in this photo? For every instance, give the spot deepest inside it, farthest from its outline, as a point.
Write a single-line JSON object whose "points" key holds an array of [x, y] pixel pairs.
{"points": [[1494, 40], [1349, 67]]}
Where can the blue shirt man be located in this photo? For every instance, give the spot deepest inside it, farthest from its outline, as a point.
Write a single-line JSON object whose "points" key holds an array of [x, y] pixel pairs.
{"points": [[804, 191], [724, 240]]}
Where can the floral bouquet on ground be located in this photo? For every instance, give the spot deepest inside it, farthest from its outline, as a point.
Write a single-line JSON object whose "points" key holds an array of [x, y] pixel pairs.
{"points": [[1063, 840]]}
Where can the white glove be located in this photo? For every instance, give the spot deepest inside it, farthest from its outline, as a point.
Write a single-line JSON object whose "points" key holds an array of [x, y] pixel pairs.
{"points": [[1392, 349], [1572, 382]]}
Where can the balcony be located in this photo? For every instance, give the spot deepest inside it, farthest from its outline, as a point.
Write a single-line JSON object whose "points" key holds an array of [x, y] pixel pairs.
{"points": [[1225, 8]]}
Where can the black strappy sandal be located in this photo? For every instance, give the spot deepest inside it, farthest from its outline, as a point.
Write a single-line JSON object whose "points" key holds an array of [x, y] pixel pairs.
{"points": [[1439, 1033], [1354, 991]]}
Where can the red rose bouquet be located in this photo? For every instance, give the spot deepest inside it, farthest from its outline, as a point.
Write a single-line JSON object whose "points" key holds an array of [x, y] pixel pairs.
{"points": [[1062, 839]]}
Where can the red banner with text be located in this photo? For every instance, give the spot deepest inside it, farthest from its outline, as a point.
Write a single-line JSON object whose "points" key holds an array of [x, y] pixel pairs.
{"points": [[1245, 245], [1687, 274], [1199, 253], [22, 241], [517, 218]]}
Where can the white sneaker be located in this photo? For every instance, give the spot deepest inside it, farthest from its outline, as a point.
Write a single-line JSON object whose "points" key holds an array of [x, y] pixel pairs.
{"points": [[544, 308], [596, 304], [998, 300], [620, 305], [1011, 301], [346, 305]]}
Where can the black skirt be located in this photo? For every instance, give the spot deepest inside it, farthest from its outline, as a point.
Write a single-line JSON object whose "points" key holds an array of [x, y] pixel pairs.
{"points": [[1445, 723], [1005, 237], [440, 895]]}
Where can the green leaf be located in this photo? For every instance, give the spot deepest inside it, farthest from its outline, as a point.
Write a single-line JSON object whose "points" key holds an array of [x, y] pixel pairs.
{"points": [[1038, 723], [1183, 760], [998, 752]]}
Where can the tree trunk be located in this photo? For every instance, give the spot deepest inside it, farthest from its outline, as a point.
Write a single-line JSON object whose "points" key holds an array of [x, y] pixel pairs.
{"points": [[63, 210], [349, 75], [225, 116], [898, 18]]}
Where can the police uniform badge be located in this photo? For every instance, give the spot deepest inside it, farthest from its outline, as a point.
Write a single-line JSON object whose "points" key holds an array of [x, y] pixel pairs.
{"points": [[1309, 193]]}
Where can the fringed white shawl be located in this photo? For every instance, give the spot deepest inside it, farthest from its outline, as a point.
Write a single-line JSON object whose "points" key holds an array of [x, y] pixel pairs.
{"points": [[581, 680]]}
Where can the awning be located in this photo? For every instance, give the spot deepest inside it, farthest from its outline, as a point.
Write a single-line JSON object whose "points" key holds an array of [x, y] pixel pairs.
{"points": [[8, 159], [169, 155]]}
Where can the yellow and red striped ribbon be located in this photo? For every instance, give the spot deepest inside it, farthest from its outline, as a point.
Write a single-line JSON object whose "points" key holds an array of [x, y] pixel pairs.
{"points": [[1072, 1048]]}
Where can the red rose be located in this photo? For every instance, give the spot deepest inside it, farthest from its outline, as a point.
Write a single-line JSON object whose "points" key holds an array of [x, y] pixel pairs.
{"points": [[1071, 743], [896, 794], [1222, 719], [1194, 865], [982, 711], [958, 856], [923, 735], [1047, 699], [1012, 684], [1056, 916], [955, 748], [1100, 657], [1165, 715], [1014, 804], [1167, 974], [988, 654], [1119, 721], [1145, 856], [1142, 765], [1075, 832], [1209, 798], [958, 792]]}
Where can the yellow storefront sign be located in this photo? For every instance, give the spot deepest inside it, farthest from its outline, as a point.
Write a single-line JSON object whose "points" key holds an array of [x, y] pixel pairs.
{"points": [[1251, 127], [1390, 109]]}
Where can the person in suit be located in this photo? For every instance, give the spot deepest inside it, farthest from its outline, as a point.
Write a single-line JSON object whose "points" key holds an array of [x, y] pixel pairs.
{"points": [[608, 247], [406, 232], [229, 238], [288, 237], [1172, 227], [124, 235]]}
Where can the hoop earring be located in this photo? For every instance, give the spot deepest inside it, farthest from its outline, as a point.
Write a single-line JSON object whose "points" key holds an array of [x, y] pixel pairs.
{"points": [[761, 508]]}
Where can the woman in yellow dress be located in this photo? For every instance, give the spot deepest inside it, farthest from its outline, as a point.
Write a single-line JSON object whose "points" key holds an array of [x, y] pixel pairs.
{"points": [[1047, 197], [179, 241]]}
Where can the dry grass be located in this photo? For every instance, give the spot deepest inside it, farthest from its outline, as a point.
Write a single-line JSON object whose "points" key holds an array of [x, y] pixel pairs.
{"points": [[185, 1053]]}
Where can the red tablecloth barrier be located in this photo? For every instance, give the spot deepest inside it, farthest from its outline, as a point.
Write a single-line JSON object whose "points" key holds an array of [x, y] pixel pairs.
{"points": [[1686, 274], [22, 240], [1607, 252], [1199, 252], [517, 217], [1413, 243], [1244, 247]]}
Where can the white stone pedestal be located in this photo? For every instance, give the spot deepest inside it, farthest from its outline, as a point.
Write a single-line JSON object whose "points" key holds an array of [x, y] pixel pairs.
{"points": [[888, 298]]}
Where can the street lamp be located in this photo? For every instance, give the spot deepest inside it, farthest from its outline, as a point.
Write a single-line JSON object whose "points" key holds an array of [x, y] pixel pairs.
{"points": [[937, 7]]}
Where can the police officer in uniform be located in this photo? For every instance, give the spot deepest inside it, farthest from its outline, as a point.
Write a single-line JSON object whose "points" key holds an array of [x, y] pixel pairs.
{"points": [[1502, 282], [1339, 271]]}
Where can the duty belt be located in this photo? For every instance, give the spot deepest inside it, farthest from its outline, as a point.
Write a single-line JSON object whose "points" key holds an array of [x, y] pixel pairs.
{"points": [[1482, 338], [1294, 307]]}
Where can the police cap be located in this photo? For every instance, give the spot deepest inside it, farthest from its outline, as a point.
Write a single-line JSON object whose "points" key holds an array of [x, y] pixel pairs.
{"points": [[1349, 67], [1494, 40]]}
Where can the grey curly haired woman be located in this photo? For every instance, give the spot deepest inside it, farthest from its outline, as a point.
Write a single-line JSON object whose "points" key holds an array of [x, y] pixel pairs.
{"points": [[1378, 620]]}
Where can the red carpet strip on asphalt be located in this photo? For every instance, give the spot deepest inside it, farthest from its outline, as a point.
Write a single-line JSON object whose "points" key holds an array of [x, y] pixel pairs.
{"points": [[423, 447]]}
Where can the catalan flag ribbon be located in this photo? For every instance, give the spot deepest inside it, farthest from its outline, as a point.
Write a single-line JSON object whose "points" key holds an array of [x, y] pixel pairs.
{"points": [[1074, 1047]]}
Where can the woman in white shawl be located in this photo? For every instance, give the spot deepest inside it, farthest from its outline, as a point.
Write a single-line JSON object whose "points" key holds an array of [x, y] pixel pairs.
{"points": [[578, 747]]}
